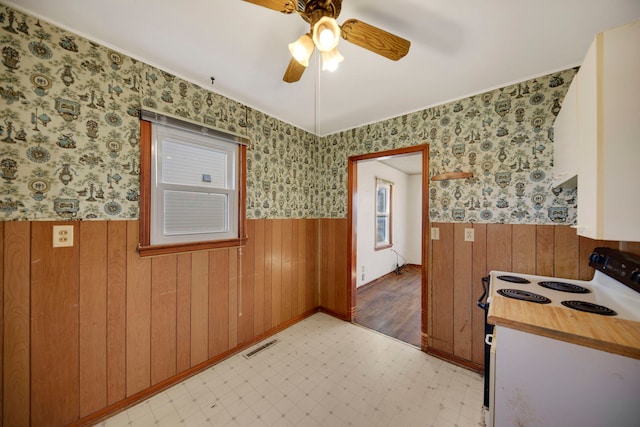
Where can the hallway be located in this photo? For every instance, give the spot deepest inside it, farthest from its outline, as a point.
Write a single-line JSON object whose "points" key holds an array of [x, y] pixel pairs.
{"points": [[391, 305]]}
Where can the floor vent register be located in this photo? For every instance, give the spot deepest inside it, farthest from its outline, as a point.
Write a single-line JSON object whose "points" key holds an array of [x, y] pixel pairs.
{"points": [[261, 348]]}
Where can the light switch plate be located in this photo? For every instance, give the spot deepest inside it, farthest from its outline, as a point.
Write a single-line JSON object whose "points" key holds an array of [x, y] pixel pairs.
{"points": [[62, 236], [435, 233]]}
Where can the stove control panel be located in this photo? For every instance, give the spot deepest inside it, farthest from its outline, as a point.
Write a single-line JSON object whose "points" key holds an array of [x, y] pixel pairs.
{"points": [[622, 266], [635, 276]]}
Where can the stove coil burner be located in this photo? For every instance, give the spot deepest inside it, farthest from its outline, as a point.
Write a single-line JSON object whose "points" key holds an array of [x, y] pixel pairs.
{"points": [[524, 296], [589, 307], [564, 287], [514, 279]]}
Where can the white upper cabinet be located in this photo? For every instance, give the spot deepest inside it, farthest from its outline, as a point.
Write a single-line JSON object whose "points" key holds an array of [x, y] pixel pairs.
{"points": [[565, 146], [609, 136]]}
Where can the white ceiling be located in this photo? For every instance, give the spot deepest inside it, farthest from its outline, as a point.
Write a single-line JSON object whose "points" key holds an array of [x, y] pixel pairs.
{"points": [[411, 164], [458, 48]]}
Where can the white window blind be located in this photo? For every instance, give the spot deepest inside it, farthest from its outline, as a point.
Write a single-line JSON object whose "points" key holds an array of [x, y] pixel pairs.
{"points": [[188, 212], [188, 165]]}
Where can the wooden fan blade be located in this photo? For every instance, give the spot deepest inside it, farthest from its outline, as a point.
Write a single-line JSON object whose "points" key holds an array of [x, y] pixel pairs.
{"points": [[294, 71], [374, 39], [284, 6]]}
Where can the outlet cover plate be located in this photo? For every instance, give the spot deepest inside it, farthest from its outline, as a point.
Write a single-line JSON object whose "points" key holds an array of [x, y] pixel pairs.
{"points": [[469, 235], [62, 236]]}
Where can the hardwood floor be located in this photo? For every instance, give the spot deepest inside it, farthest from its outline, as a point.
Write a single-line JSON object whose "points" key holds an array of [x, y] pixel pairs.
{"points": [[391, 305]]}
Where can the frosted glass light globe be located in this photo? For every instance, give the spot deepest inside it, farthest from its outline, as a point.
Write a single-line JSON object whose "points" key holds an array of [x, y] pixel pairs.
{"points": [[326, 38], [326, 33]]}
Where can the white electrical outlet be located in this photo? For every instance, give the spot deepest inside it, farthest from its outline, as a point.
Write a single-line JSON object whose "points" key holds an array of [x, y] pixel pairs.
{"points": [[435, 233], [469, 235], [62, 236]]}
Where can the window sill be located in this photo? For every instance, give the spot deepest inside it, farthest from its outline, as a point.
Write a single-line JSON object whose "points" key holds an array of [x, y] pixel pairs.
{"points": [[155, 250], [381, 247]]}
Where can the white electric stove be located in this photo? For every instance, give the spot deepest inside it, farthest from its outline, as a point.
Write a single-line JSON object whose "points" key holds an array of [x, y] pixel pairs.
{"points": [[603, 295], [534, 379]]}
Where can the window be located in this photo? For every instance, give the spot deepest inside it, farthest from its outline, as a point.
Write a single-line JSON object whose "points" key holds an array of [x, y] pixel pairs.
{"points": [[383, 213], [192, 187]]}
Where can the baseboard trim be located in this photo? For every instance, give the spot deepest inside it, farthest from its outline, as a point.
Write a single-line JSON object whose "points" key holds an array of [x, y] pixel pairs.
{"points": [[455, 360], [335, 314], [382, 278]]}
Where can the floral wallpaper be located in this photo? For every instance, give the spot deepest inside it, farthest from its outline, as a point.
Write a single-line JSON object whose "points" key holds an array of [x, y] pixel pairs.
{"points": [[69, 139], [69, 130], [504, 137], [282, 170]]}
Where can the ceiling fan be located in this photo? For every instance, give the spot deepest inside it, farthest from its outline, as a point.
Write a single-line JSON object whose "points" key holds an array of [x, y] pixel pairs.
{"points": [[325, 34]]}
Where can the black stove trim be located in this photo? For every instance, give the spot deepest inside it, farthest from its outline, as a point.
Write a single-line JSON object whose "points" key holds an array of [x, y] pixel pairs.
{"points": [[621, 266]]}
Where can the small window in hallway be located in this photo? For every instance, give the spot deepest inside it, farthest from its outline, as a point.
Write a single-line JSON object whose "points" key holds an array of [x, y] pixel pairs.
{"points": [[383, 212]]}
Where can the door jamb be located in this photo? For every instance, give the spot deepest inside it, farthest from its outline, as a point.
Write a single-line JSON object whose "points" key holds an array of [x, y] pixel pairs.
{"points": [[352, 235]]}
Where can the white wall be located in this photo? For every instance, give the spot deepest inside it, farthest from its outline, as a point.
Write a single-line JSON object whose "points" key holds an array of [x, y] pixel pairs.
{"points": [[414, 219], [406, 223]]}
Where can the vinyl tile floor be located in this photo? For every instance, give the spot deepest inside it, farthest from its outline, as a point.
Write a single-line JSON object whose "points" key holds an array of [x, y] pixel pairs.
{"points": [[321, 372]]}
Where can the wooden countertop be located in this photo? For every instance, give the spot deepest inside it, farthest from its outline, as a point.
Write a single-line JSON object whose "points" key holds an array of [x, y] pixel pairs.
{"points": [[605, 333]]}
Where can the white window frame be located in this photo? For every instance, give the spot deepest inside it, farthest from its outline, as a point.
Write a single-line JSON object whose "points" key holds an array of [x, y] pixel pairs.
{"points": [[164, 134], [148, 180], [387, 213]]}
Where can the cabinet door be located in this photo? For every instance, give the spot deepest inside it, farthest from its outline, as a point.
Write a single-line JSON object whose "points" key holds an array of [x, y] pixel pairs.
{"points": [[620, 133], [608, 129], [565, 146], [587, 134]]}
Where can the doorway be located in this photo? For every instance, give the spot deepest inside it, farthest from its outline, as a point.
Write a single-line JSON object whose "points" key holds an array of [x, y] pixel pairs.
{"points": [[355, 265]]}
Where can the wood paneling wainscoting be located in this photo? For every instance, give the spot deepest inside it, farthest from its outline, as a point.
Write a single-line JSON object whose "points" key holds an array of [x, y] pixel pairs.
{"points": [[455, 323], [91, 328], [334, 276]]}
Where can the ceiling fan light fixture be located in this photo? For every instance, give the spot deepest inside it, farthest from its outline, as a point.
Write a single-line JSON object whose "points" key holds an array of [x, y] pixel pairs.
{"points": [[331, 60], [302, 49], [326, 34]]}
